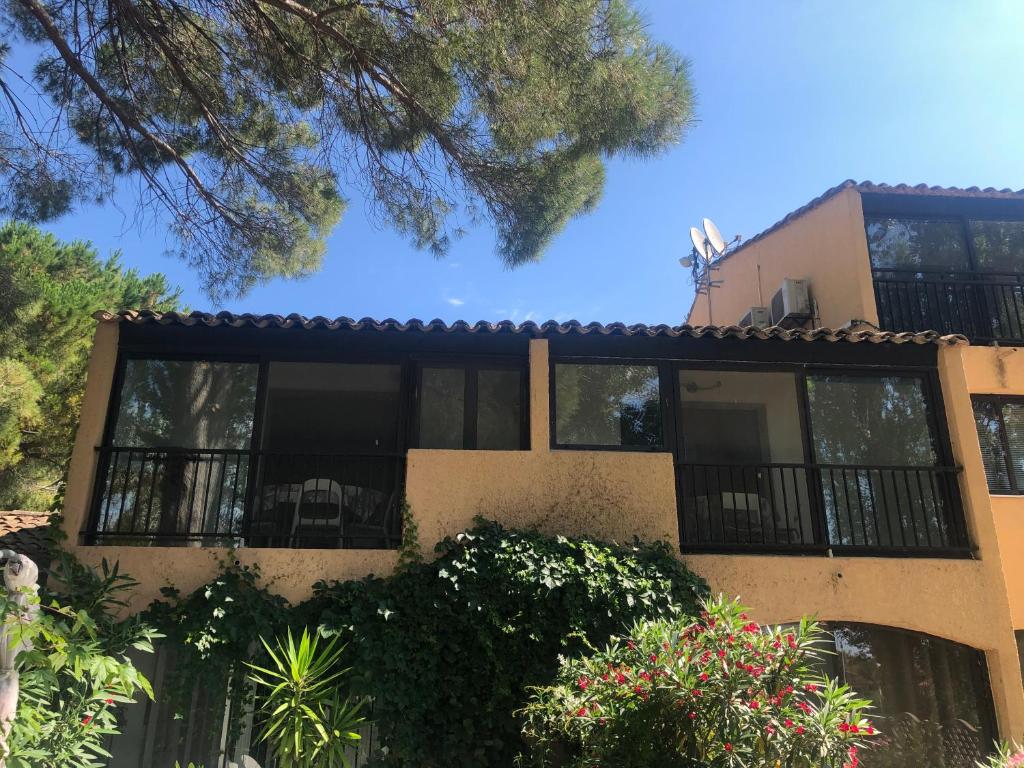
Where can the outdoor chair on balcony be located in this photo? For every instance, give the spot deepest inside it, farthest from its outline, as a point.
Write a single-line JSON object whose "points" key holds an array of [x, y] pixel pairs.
{"points": [[318, 514]]}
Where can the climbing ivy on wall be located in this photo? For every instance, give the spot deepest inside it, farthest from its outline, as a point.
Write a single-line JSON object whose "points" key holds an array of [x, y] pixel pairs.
{"points": [[449, 648]]}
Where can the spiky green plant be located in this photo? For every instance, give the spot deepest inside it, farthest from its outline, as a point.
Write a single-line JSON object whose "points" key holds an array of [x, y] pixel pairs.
{"points": [[305, 720]]}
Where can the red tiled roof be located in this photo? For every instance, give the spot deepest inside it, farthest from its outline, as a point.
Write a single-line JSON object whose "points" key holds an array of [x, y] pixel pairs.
{"points": [[870, 187], [26, 533], [549, 328]]}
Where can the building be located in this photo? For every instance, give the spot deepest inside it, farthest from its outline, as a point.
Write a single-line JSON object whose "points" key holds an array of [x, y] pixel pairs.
{"points": [[811, 471]]}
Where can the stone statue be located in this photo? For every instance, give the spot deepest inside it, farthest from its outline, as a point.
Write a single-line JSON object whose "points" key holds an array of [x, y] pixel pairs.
{"points": [[21, 577]]}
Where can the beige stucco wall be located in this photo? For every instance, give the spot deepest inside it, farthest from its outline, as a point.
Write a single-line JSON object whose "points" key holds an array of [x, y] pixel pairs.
{"points": [[826, 246], [1000, 371], [620, 495]]}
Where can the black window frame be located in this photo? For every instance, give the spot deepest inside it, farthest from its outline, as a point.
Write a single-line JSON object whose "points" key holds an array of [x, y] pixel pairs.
{"points": [[665, 390], [1016, 489], [471, 368], [964, 223]]}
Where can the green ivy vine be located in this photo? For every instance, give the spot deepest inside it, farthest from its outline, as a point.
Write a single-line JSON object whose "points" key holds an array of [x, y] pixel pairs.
{"points": [[447, 649]]}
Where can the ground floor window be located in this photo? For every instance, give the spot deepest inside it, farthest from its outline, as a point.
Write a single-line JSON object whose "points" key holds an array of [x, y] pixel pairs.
{"points": [[932, 697]]}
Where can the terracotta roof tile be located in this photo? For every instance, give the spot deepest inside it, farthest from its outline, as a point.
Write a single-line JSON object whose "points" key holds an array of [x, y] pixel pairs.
{"points": [[26, 533], [549, 328]]}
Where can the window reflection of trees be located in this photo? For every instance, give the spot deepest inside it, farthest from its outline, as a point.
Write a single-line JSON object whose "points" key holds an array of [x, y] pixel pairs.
{"points": [[188, 420], [607, 405]]}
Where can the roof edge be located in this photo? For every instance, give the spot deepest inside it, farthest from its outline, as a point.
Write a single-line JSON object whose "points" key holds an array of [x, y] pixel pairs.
{"points": [[529, 328]]}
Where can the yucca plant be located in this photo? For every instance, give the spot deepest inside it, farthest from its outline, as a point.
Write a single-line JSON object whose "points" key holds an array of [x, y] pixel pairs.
{"points": [[305, 720]]}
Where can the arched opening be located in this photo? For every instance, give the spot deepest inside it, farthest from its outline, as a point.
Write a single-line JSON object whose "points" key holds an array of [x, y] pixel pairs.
{"points": [[932, 698]]}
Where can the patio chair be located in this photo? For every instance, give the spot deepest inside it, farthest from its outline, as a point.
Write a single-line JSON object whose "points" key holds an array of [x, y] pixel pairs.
{"points": [[318, 514]]}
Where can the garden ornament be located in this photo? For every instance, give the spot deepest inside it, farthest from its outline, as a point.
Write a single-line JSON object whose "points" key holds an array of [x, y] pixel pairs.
{"points": [[21, 577]]}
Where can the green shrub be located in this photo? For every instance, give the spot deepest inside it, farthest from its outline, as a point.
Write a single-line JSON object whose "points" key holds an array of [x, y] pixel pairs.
{"points": [[77, 672], [713, 692], [303, 717], [448, 649]]}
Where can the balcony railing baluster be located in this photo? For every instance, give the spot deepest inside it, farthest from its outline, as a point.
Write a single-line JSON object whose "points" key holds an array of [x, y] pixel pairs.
{"points": [[180, 496], [853, 509], [984, 306]]}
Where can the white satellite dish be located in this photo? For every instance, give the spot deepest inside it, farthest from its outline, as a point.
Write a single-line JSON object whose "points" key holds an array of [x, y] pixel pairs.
{"points": [[714, 236], [700, 243]]}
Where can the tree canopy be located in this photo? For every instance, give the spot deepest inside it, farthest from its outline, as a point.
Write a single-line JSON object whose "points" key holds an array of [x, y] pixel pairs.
{"points": [[244, 120], [48, 291]]}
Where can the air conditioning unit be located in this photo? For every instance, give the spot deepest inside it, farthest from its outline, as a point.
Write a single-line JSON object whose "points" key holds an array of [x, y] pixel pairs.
{"points": [[757, 317], [791, 304]]}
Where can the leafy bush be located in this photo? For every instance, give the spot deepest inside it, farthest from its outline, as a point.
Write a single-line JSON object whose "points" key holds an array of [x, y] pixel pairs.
{"points": [[448, 649], [306, 721], [718, 691], [214, 630], [77, 672]]}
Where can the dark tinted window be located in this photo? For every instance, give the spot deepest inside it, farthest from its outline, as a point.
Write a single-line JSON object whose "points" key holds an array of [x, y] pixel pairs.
{"points": [[998, 245], [870, 420], [931, 696], [442, 407], [332, 408], [186, 404], [896, 243], [607, 405], [499, 423], [1000, 424], [473, 407]]}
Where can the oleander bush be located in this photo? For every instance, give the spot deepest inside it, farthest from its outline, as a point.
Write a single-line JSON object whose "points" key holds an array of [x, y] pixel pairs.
{"points": [[715, 691]]}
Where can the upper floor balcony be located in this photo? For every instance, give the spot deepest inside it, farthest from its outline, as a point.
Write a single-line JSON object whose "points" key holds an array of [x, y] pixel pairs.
{"points": [[801, 447], [949, 274]]}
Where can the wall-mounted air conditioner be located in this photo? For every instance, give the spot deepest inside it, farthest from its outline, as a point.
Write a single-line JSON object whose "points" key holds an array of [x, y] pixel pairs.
{"points": [[757, 317], [791, 304]]}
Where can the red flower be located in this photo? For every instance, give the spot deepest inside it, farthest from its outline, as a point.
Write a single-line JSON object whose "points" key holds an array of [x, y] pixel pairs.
{"points": [[768, 729], [800, 729], [788, 723], [728, 747], [844, 727], [87, 719], [692, 715], [631, 645], [108, 701], [583, 682], [695, 692], [811, 687], [755, 705], [581, 712], [654, 658], [721, 653]]}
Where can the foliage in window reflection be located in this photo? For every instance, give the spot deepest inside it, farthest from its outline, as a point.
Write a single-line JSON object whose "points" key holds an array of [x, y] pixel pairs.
{"points": [[608, 405], [870, 420], [998, 245], [908, 243], [186, 404]]}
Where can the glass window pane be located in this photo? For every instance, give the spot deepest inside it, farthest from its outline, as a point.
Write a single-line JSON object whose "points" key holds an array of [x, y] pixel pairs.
{"points": [[499, 410], [332, 408], [186, 404], [607, 405], [993, 452], [998, 245], [442, 408], [740, 429], [870, 420], [1013, 418], [909, 243], [931, 695]]}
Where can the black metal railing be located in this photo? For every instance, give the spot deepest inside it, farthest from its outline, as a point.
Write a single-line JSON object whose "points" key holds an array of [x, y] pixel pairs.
{"points": [[224, 497], [792, 507], [984, 306]]}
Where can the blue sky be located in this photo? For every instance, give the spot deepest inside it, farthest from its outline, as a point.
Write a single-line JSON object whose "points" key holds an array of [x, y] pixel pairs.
{"points": [[793, 97]]}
